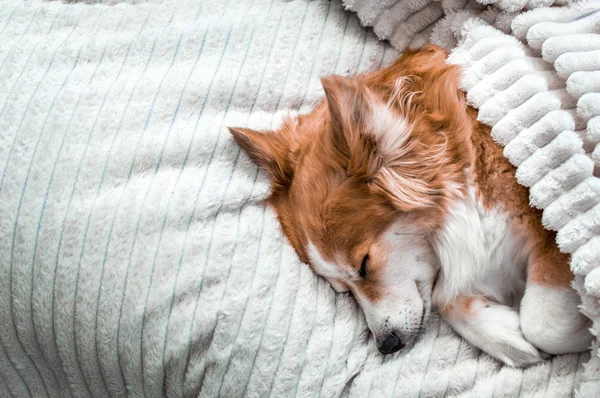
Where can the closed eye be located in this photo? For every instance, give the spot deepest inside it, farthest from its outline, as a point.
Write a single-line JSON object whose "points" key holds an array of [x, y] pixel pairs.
{"points": [[363, 267]]}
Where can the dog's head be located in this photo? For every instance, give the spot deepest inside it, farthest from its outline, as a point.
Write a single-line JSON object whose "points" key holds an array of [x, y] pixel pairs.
{"points": [[361, 184]]}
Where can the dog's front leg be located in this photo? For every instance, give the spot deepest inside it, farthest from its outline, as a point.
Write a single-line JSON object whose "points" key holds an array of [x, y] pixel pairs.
{"points": [[491, 327]]}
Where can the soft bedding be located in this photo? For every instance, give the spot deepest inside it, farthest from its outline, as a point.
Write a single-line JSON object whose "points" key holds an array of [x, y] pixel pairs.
{"points": [[137, 256]]}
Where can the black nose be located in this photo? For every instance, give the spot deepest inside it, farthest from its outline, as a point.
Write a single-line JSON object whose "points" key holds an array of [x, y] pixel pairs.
{"points": [[391, 344]]}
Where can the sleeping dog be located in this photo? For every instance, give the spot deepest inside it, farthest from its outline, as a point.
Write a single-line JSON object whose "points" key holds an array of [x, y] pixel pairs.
{"points": [[391, 189]]}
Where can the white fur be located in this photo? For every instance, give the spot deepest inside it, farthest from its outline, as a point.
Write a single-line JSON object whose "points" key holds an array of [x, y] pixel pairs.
{"points": [[405, 283], [494, 328], [391, 131], [549, 320], [479, 254]]}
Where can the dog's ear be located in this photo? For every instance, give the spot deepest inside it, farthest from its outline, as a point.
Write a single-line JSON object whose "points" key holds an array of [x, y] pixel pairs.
{"points": [[350, 111], [270, 150], [348, 103]]}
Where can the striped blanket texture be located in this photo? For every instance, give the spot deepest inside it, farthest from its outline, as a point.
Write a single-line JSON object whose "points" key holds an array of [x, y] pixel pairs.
{"points": [[137, 256]]}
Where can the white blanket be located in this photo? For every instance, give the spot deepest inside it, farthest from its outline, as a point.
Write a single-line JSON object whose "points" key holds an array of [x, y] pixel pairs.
{"points": [[136, 254]]}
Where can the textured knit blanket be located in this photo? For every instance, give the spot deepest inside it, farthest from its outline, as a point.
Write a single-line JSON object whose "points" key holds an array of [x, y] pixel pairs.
{"points": [[137, 257]]}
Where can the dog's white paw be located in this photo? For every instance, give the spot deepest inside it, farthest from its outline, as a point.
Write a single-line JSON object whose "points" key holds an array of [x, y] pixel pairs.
{"points": [[519, 353], [495, 329], [551, 321]]}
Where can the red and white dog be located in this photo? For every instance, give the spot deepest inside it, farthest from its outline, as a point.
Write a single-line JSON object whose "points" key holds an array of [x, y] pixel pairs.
{"points": [[392, 190]]}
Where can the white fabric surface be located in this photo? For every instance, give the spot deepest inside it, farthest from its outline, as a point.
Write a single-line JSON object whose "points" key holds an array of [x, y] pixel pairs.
{"points": [[409, 23], [136, 254]]}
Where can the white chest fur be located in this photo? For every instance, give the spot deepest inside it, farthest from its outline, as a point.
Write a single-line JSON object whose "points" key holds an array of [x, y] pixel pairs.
{"points": [[479, 254]]}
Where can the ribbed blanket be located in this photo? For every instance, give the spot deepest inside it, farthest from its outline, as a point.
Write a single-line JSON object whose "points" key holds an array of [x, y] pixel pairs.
{"points": [[137, 256]]}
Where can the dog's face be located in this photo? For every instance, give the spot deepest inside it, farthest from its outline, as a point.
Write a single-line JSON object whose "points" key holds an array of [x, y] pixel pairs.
{"points": [[360, 185], [390, 271]]}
